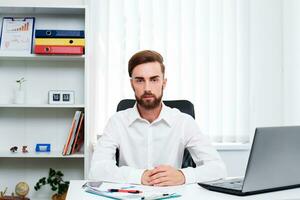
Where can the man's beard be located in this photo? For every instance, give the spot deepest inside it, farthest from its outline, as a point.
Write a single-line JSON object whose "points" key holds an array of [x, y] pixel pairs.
{"points": [[149, 104]]}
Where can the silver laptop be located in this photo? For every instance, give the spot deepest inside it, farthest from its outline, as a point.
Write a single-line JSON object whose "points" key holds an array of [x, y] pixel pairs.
{"points": [[273, 164]]}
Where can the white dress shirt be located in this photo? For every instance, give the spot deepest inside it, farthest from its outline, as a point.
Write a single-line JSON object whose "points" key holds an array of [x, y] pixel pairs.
{"points": [[145, 145]]}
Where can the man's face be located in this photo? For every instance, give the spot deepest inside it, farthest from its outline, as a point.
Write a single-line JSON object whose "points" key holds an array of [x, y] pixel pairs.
{"points": [[148, 84]]}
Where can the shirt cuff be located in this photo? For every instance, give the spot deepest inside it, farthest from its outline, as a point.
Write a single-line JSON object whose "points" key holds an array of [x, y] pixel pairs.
{"points": [[135, 176], [189, 175]]}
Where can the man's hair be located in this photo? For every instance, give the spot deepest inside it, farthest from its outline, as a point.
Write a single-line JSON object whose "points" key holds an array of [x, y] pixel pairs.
{"points": [[145, 56]]}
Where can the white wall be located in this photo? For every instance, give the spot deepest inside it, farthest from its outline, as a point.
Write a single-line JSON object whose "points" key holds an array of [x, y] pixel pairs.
{"points": [[291, 61], [275, 69], [235, 161], [266, 62]]}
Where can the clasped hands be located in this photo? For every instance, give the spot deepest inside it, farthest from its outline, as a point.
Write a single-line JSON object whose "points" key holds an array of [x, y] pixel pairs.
{"points": [[163, 175]]}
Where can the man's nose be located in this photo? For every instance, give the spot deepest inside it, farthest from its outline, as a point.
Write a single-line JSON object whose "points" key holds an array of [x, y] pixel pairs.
{"points": [[147, 86]]}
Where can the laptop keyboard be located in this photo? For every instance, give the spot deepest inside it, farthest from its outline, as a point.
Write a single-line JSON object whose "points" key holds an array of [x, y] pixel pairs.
{"points": [[236, 184]]}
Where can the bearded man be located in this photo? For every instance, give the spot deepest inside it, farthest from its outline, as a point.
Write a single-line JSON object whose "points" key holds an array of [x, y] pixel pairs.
{"points": [[151, 137]]}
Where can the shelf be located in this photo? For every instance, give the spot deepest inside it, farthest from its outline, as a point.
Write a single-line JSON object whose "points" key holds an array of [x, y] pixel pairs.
{"points": [[39, 155], [24, 56], [11, 10], [40, 106]]}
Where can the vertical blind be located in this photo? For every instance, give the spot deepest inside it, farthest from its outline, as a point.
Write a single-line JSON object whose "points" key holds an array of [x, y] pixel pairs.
{"points": [[205, 44]]}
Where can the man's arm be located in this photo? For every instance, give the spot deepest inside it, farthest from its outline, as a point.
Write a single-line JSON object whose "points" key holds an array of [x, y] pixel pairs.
{"points": [[209, 165], [103, 164]]}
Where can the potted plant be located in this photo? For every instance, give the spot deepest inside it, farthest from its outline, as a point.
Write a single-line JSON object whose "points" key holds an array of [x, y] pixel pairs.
{"points": [[56, 183]]}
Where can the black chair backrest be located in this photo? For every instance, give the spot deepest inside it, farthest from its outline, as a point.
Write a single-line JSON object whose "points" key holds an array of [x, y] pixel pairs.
{"points": [[184, 106]]}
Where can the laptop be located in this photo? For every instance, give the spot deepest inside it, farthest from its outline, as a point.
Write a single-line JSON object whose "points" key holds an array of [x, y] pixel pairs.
{"points": [[273, 164]]}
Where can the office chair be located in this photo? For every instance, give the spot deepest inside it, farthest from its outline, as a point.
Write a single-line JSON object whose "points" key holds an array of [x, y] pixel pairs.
{"points": [[182, 105]]}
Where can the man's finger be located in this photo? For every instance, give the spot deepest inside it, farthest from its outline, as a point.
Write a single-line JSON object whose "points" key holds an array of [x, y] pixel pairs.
{"points": [[165, 183], [158, 175], [161, 168], [159, 180]]}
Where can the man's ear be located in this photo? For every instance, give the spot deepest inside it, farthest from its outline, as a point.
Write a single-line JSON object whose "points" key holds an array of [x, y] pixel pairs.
{"points": [[164, 83], [131, 83]]}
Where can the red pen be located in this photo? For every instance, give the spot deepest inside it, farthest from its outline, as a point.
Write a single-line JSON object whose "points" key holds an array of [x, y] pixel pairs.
{"points": [[127, 191]]}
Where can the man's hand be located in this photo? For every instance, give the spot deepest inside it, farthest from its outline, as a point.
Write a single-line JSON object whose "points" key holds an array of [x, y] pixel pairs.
{"points": [[165, 175], [146, 177]]}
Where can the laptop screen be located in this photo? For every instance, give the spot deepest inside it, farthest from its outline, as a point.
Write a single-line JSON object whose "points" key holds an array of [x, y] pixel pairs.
{"points": [[274, 159]]}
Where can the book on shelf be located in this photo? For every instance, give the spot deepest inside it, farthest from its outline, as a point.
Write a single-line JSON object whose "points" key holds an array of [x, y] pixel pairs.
{"points": [[79, 137], [72, 132]]}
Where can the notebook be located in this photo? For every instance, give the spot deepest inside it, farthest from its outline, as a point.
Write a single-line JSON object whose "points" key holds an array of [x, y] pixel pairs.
{"points": [[104, 189], [273, 164]]}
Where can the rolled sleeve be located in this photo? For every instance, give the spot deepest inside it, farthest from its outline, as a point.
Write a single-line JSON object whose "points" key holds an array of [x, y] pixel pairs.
{"points": [[190, 176]]}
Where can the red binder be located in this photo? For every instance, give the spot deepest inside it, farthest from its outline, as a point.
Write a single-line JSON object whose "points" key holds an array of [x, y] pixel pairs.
{"points": [[44, 49]]}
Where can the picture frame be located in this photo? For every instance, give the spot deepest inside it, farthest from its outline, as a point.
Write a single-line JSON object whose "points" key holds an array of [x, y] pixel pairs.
{"points": [[17, 34], [61, 97]]}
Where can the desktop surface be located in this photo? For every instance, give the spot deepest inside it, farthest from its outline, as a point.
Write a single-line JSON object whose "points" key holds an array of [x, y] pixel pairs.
{"points": [[188, 192]]}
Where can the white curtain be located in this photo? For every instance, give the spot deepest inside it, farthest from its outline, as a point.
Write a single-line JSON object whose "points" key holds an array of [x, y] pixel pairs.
{"points": [[205, 44]]}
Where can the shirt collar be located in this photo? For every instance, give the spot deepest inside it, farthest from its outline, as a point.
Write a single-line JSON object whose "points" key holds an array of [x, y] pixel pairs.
{"points": [[164, 115]]}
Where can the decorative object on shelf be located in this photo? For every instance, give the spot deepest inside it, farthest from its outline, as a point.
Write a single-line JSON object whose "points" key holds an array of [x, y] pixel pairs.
{"points": [[14, 149], [24, 149], [61, 97], [19, 92], [43, 147], [22, 189], [56, 183], [17, 34], [2, 193]]}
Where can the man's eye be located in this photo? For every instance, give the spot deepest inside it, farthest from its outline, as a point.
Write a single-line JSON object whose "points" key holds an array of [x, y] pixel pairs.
{"points": [[154, 80], [139, 80]]}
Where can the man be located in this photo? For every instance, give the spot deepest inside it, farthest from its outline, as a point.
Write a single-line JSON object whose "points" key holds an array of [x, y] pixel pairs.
{"points": [[152, 137]]}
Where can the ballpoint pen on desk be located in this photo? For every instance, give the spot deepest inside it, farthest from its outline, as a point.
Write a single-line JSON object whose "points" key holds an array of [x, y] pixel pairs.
{"points": [[123, 190], [160, 196], [91, 184]]}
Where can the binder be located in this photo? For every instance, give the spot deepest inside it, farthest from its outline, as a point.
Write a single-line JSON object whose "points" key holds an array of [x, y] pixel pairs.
{"points": [[48, 49], [59, 33], [59, 41]]}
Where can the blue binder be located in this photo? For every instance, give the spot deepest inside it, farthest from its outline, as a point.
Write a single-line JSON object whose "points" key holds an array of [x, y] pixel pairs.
{"points": [[59, 34]]}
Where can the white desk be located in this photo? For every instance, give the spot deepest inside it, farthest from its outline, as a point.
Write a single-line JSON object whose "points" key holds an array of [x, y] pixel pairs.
{"points": [[190, 192]]}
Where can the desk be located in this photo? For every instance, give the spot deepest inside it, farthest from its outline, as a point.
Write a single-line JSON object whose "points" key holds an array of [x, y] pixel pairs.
{"points": [[190, 192]]}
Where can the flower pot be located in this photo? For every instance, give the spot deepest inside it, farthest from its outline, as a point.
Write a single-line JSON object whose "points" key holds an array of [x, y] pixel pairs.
{"points": [[59, 196], [19, 96]]}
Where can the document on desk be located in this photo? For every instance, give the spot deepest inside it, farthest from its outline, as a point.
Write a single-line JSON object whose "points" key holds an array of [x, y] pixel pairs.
{"points": [[128, 192]]}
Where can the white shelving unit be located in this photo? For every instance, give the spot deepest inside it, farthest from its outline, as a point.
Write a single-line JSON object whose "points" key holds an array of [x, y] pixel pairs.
{"points": [[36, 121]]}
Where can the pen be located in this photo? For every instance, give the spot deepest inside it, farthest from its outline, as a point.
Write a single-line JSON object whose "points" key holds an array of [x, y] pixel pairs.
{"points": [[156, 196], [122, 190]]}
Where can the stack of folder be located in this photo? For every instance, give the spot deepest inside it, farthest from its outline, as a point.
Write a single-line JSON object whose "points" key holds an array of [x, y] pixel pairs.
{"points": [[59, 42]]}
